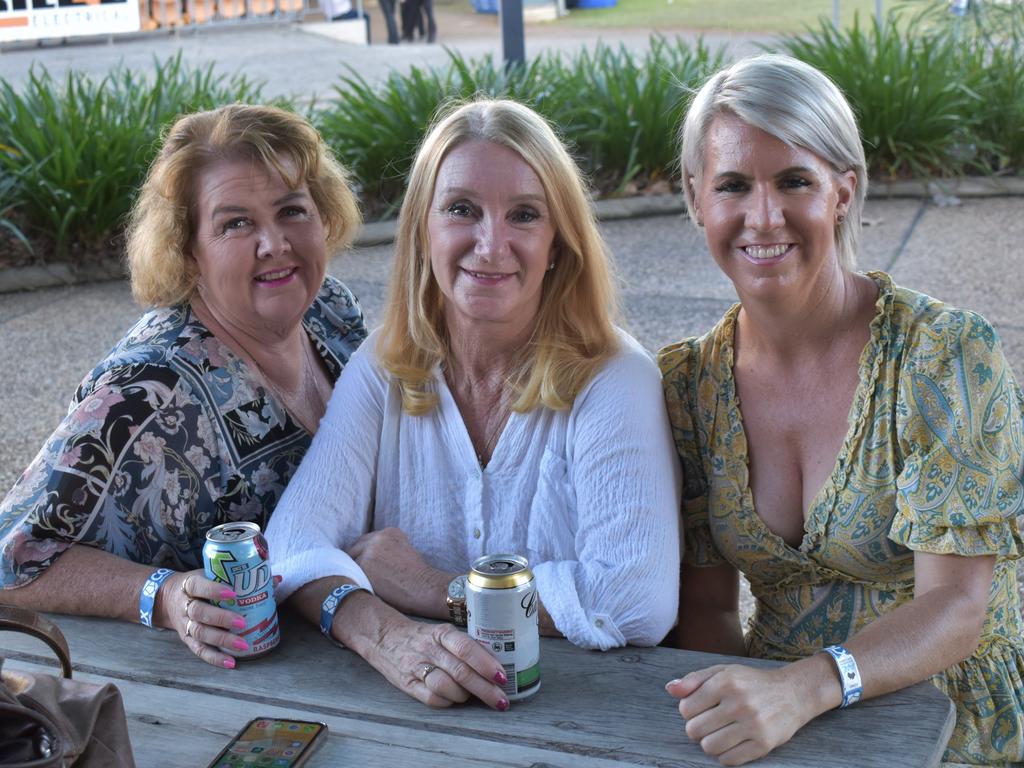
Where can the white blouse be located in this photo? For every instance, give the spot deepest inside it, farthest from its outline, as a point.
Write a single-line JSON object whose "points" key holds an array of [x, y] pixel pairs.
{"points": [[590, 495]]}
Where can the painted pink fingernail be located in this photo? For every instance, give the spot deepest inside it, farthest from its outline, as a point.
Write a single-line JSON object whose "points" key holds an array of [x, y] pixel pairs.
{"points": [[228, 594], [240, 645], [229, 663], [500, 678], [278, 580], [238, 622], [503, 705]]}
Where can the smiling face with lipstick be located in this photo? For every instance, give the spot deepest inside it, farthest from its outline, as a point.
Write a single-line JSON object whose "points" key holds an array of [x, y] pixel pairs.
{"points": [[769, 210], [259, 246], [491, 237]]}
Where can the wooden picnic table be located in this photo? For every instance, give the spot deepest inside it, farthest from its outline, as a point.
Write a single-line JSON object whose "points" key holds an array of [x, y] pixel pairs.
{"points": [[594, 710]]}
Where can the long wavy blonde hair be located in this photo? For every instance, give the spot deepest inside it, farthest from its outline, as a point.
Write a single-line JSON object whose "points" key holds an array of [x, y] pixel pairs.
{"points": [[574, 332], [162, 220]]}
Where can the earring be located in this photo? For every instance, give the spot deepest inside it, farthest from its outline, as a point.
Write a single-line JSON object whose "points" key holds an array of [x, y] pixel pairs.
{"points": [[840, 218], [551, 266]]}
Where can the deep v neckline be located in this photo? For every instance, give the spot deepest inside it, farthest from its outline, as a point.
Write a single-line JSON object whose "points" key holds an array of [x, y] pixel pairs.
{"points": [[460, 432], [821, 504]]}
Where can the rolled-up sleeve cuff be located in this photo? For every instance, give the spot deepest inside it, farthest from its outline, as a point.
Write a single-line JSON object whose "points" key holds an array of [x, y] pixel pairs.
{"points": [[300, 569], [587, 629]]}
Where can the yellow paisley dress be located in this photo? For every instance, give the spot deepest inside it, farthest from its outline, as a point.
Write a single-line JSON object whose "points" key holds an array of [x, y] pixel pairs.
{"points": [[932, 462]]}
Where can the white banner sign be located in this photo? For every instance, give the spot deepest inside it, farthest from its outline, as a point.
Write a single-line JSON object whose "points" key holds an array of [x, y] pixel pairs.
{"points": [[34, 19]]}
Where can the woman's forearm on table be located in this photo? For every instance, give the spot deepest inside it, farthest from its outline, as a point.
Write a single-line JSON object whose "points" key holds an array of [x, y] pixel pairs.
{"points": [[939, 628], [936, 630], [85, 581], [359, 620]]}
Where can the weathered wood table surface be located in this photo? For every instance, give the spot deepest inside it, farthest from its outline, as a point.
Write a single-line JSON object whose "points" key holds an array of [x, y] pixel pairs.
{"points": [[594, 709]]}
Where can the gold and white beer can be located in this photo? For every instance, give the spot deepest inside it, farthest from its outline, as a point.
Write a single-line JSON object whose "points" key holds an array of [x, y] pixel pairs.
{"points": [[501, 603]]}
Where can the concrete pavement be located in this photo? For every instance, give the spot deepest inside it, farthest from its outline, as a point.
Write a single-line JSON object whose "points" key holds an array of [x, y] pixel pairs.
{"points": [[303, 61]]}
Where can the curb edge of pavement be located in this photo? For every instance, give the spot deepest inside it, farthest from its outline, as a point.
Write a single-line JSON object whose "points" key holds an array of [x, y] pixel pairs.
{"points": [[945, 191]]}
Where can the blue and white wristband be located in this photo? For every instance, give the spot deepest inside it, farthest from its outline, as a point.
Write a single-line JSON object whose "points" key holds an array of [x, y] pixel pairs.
{"points": [[331, 603], [849, 674], [148, 595]]}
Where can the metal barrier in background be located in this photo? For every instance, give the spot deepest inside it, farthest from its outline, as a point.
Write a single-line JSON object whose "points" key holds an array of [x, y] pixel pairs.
{"points": [[36, 22], [171, 14]]}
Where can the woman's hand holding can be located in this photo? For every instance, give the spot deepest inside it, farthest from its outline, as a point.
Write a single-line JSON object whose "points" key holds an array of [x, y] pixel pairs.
{"points": [[183, 605]]}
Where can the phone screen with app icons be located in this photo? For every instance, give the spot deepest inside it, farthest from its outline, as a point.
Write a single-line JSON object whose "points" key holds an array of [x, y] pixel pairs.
{"points": [[269, 743]]}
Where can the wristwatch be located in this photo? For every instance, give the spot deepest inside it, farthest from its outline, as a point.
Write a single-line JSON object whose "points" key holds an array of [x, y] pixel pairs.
{"points": [[457, 600]]}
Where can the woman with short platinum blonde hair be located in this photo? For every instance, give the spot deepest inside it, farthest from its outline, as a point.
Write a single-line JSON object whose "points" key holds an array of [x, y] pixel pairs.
{"points": [[796, 104], [853, 447]]}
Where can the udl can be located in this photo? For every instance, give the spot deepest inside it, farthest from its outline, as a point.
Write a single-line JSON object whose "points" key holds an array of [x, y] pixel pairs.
{"points": [[501, 603], [235, 555]]}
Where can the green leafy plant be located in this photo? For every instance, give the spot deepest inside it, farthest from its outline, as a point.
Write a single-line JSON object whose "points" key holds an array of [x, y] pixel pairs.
{"points": [[80, 147], [616, 110], [8, 198], [992, 24], [622, 110], [933, 96], [376, 129], [989, 46], [917, 107], [999, 81]]}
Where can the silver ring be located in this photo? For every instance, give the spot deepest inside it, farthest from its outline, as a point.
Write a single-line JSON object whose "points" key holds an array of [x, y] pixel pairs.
{"points": [[188, 604], [184, 582], [425, 669], [188, 628]]}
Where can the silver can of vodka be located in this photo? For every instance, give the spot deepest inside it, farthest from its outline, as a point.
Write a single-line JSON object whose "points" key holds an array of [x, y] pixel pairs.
{"points": [[501, 604]]}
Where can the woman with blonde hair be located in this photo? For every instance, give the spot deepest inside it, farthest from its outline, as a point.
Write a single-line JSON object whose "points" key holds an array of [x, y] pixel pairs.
{"points": [[498, 409], [201, 413]]}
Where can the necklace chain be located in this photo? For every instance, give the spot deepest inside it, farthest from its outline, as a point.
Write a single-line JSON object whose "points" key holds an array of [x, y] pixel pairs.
{"points": [[309, 374], [483, 455]]}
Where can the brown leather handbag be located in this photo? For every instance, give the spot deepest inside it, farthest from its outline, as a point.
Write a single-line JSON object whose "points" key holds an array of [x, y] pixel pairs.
{"points": [[48, 721]]}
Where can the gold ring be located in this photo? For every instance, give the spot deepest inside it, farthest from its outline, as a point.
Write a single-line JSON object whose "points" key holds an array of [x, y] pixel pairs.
{"points": [[184, 582], [425, 669], [188, 604], [188, 628]]}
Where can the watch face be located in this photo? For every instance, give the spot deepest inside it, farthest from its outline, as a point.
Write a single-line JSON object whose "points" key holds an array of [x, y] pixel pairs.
{"points": [[457, 588]]}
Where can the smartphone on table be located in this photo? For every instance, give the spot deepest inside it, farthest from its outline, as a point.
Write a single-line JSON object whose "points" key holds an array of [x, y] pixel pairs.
{"points": [[268, 742]]}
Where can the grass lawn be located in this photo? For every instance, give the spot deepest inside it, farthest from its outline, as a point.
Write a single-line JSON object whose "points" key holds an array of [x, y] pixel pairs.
{"points": [[726, 15]]}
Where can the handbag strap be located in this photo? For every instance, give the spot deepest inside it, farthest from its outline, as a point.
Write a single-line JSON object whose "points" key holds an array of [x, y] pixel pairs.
{"points": [[37, 625]]}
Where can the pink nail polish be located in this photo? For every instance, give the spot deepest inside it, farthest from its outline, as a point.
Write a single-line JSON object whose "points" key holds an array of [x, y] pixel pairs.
{"points": [[500, 678], [229, 663], [240, 645], [238, 622], [503, 705], [228, 594]]}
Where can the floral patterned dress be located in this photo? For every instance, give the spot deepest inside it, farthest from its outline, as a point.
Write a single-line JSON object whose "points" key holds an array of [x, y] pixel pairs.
{"points": [[932, 462], [170, 435]]}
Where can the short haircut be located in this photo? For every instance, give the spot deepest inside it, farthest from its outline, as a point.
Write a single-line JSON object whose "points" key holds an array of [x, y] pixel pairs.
{"points": [[163, 220], [574, 333], [795, 103]]}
